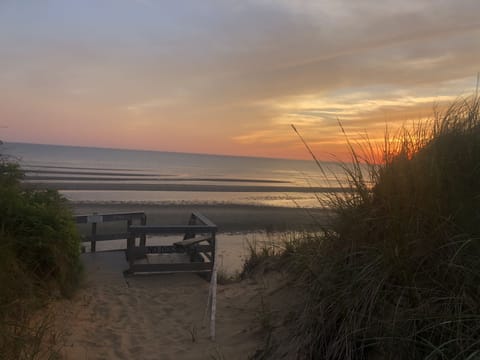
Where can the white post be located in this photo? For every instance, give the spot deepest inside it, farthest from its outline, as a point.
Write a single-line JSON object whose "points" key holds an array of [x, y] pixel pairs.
{"points": [[213, 292]]}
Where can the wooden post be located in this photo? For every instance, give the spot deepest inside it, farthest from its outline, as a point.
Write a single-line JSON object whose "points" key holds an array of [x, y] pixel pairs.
{"points": [[213, 292], [129, 223], [214, 250], [93, 241], [130, 248], [143, 237], [191, 221]]}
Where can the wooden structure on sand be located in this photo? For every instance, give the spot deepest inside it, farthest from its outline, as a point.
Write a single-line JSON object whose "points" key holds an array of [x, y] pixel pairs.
{"points": [[194, 252], [95, 219]]}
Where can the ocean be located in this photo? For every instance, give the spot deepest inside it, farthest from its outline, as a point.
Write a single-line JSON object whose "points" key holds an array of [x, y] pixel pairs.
{"points": [[87, 174], [122, 179]]}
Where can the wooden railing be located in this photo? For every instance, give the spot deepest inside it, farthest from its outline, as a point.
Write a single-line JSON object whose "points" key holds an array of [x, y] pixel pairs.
{"points": [[198, 246], [96, 219], [200, 250]]}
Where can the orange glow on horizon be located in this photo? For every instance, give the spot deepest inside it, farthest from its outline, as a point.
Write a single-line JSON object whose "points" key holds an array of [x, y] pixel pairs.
{"points": [[214, 79]]}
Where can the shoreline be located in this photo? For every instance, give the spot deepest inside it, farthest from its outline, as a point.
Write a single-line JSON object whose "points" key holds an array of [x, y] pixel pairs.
{"points": [[242, 218], [94, 186]]}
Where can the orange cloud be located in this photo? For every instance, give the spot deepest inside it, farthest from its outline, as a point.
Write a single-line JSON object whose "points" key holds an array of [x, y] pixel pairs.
{"points": [[222, 78]]}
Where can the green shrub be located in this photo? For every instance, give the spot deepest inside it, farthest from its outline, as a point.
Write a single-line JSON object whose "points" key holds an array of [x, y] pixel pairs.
{"points": [[39, 257], [46, 238]]}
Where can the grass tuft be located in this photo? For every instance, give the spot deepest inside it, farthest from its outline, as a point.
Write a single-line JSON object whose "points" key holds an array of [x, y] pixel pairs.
{"points": [[396, 275]]}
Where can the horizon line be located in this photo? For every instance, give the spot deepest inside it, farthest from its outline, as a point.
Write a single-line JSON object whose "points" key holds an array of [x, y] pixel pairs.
{"points": [[6, 142]]}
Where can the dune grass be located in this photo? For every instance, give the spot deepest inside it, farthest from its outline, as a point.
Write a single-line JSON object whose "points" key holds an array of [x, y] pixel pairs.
{"points": [[39, 260], [397, 273]]}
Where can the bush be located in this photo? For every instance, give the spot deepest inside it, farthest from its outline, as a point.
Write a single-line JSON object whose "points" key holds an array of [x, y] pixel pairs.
{"points": [[46, 240], [396, 276], [39, 256]]}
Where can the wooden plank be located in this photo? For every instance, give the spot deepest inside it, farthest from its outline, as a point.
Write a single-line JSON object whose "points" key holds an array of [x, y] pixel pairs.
{"points": [[191, 241], [203, 219], [95, 218], [175, 258], [213, 291], [213, 243], [188, 267], [198, 248], [204, 248], [105, 237], [93, 244], [143, 237], [83, 219], [130, 249], [171, 229], [162, 249], [123, 216], [166, 249], [191, 221]]}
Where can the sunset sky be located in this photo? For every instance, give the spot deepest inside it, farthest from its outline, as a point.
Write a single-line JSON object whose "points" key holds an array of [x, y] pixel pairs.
{"points": [[229, 77]]}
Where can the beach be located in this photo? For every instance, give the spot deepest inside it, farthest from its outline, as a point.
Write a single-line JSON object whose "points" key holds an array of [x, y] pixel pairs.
{"points": [[163, 316], [253, 202], [239, 226], [228, 217], [159, 316], [306, 173]]}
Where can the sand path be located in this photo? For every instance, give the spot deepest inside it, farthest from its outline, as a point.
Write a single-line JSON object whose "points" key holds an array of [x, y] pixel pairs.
{"points": [[155, 316]]}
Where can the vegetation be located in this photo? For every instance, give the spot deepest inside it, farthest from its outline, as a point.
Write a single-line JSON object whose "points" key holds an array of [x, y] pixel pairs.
{"points": [[258, 254], [396, 276], [39, 258]]}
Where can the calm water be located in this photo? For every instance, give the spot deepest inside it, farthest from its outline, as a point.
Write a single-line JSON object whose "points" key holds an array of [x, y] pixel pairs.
{"points": [[113, 175], [270, 181]]}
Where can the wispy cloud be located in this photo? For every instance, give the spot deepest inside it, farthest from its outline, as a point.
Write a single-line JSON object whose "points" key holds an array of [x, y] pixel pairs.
{"points": [[234, 74]]}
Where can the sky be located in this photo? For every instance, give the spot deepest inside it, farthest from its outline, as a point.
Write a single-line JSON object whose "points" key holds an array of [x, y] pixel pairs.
{"points": [[230, 77]]}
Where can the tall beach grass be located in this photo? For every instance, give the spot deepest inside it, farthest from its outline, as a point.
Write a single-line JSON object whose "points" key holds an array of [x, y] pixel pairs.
{"points": [[396, 275]]}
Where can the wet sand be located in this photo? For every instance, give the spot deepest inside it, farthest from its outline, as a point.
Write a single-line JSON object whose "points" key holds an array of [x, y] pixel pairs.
{"points": [[158, 186], [228, 217]]}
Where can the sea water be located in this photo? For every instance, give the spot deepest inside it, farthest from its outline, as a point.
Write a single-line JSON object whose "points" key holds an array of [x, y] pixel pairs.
{"points": [[118, 175], [204, 179]]}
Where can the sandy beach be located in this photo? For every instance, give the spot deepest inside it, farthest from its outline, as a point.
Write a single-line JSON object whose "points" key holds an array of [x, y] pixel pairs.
{"points": [[157, 316], [239, 226], [163, 316]]}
